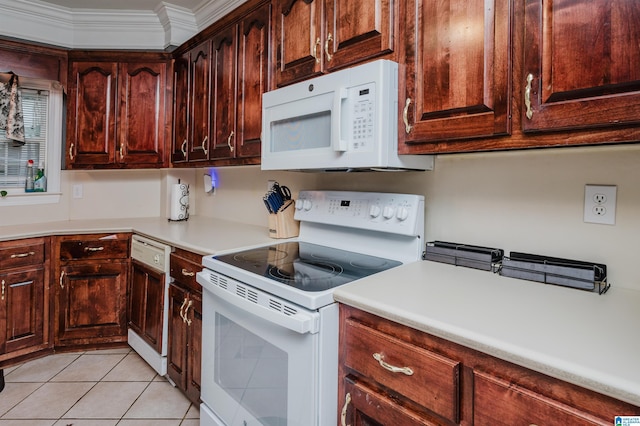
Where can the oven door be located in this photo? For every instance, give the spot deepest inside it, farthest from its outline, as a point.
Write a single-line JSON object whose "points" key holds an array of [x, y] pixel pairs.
{"points": [[259, 364]]}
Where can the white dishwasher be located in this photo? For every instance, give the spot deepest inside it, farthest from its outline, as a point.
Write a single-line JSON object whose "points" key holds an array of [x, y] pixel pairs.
{"points": [[148, 307]]}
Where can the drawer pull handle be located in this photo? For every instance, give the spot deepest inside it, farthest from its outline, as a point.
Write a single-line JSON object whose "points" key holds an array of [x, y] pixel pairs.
{"points": [[405, 116], [93, 248], [343, 414], [315, 50], [326, 47], [62, 280], [183, 148], [527, 96], [405, 370], [71, 152], [187, 320], [187, 273], [184, 302], [204, 145], [31, 253], [2, 289], [229, 141]]}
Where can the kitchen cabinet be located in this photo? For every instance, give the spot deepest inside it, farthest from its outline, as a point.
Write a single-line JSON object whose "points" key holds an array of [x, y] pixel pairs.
{"points": [[146, 303], [240, 75], [456, 79], [24, 297], [185, 324], [318, 36], [580, 65], [393, 374], [117, 114], [91, 289], [218, 90]]}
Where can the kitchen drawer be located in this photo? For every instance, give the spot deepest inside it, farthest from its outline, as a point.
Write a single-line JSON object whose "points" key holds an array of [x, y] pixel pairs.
{"points": [[90, 247], [499, 402], [184, 266], [434, 379], [362, 403], [14, 254]]}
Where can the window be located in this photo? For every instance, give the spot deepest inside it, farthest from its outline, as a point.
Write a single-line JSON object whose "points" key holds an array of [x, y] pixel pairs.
{"points": [[42, 111]]}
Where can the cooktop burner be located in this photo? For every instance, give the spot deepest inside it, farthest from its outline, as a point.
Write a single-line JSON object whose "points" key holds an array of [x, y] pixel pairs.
{"points": [[306, 266]]}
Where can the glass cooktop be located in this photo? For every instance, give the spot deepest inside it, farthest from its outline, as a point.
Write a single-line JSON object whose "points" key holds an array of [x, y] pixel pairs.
{"points": [[306, 266]]}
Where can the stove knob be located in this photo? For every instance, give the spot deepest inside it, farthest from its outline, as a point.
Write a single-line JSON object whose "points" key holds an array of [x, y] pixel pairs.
{"points": [[388, 212], [374, 211], [299, 204], [402, 214], [306, 205]]}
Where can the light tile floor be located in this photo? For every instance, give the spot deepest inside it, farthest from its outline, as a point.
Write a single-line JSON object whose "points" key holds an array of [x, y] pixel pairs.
{"points": [[94, 388]]}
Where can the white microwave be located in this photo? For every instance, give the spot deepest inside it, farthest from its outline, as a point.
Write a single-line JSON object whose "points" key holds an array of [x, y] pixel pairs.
{"points": [[342, 121]]}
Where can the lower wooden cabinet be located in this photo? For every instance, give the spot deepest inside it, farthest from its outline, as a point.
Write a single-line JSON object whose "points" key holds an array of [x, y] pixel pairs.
{"points": [[24, 298], [91, 289], [391, 374], [184, 357]]}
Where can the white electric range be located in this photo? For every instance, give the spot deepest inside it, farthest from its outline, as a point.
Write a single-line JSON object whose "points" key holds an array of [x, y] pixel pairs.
{"points": [[270, 324]]}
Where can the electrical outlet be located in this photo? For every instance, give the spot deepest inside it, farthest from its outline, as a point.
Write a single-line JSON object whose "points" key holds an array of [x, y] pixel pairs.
{"points": [[77, 191], [600, 204]]}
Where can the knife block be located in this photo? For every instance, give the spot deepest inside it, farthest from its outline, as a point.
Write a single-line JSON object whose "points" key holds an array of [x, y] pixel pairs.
{"points": [[282, 224]]}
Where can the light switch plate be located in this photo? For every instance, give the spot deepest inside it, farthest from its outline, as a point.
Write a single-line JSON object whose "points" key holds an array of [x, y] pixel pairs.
{"points": [[600, 204]]}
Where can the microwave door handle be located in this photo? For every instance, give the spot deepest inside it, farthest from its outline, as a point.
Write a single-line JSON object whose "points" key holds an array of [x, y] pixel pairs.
{"points": [[337, 141]]}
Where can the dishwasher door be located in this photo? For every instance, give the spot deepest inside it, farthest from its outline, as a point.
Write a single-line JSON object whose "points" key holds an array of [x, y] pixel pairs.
{"points": [[148, 310]]}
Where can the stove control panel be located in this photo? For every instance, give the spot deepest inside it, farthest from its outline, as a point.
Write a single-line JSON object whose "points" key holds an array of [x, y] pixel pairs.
{"points": [[376, 211]]}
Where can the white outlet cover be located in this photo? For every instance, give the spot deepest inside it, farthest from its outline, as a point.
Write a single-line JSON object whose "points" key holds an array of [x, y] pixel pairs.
{"points": [[600, 204]]}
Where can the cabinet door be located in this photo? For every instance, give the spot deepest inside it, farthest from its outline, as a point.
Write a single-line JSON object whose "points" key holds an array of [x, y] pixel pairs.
{"points": [[253, 80], [92, 110], [200, 84], [177, 351], [457, 71], [141, 118], [180, 109], [358, 30], [298, 40], [146, 304], [581, 64], [91, 303], [193, 314], [22, 308], [499, 402], [362, 405], [223, 100]]}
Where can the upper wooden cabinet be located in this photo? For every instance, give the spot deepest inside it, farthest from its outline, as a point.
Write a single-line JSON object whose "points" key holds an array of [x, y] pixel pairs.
{"points": [[456, 74], [317, 36], [117, 114], [581, 64], [218, 92]]}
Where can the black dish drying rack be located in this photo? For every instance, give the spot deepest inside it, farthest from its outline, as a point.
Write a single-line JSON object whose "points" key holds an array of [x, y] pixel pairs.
{"points": [[532, 267]]}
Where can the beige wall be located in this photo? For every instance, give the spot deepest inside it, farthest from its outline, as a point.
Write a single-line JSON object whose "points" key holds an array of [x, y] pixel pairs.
{"points": [[530, 201]]}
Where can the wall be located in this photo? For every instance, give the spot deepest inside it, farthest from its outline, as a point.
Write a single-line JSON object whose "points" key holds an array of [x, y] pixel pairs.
{"points": [[528, 201]]}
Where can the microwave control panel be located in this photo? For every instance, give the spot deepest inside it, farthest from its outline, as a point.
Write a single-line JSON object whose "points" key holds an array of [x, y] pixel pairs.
{"points": [[363, 113]]}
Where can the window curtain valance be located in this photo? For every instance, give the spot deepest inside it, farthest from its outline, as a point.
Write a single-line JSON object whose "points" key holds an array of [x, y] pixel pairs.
{"points": [[11, 118]]}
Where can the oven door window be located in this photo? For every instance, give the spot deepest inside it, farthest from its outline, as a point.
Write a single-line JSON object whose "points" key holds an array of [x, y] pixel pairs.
{"points": [[256, 372]]}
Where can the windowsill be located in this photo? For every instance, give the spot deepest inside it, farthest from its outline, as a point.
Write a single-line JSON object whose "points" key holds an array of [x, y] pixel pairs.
{"points": [[31, 198]]}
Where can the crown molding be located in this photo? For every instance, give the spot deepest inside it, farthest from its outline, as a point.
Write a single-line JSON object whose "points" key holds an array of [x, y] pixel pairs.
{"points": [[43, 22], [209, 12]]}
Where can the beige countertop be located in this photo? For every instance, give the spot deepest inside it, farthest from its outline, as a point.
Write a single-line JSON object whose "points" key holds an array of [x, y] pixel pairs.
{"points": [[202, 235], [577, 336], [581, 337]]}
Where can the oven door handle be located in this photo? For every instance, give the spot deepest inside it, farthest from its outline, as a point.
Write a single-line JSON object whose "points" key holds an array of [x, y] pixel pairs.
{"points": [[300, 322]]}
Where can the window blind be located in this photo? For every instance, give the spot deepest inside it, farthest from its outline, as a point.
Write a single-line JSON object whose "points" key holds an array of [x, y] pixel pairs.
{"points": [[13, 159]]}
